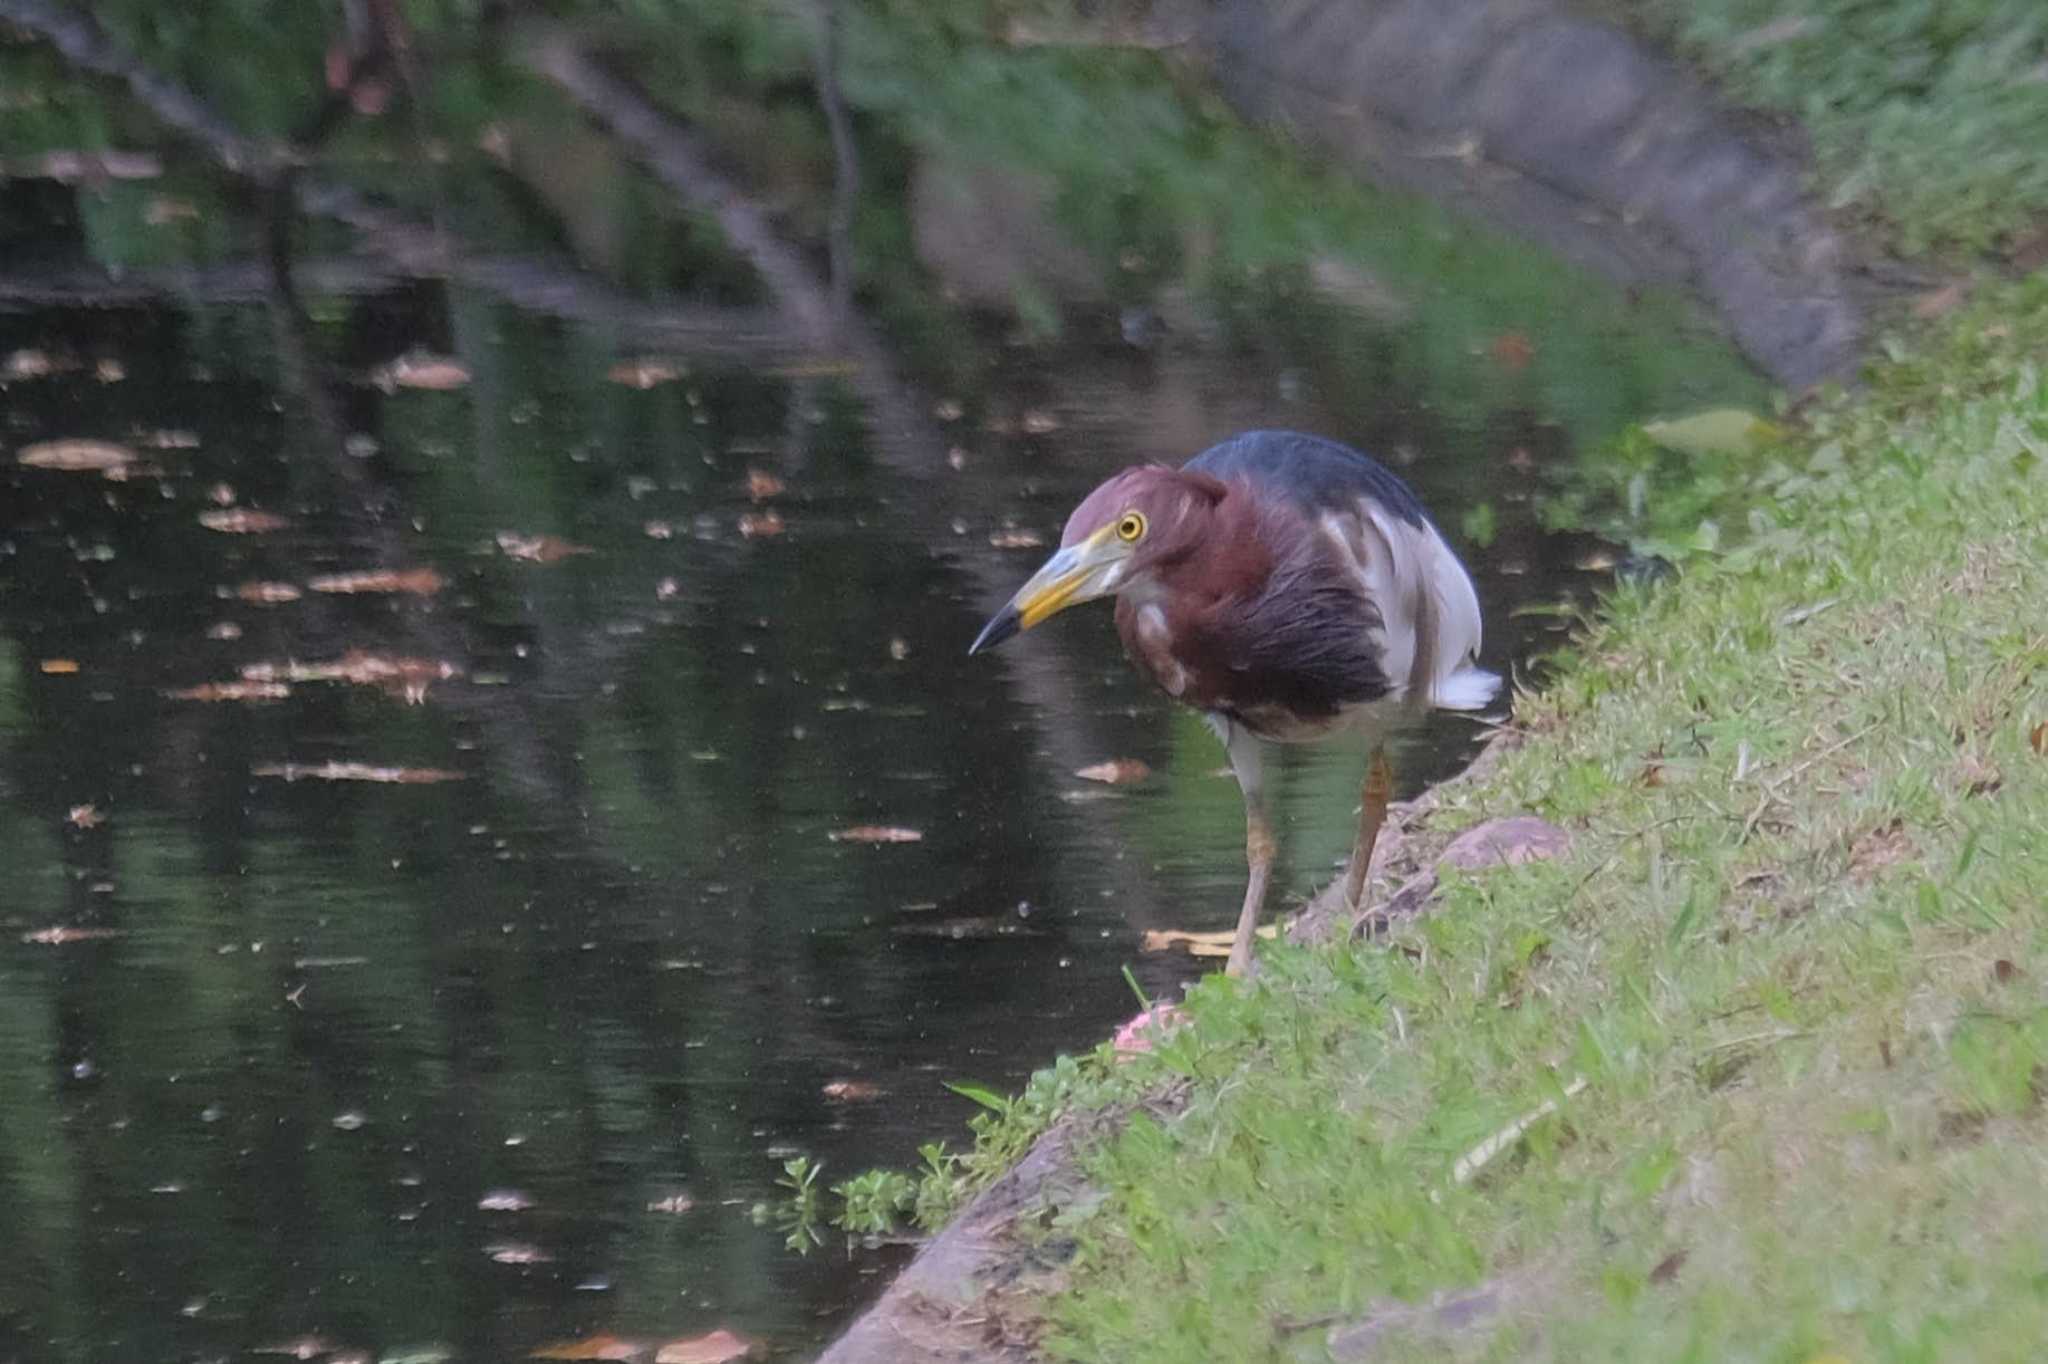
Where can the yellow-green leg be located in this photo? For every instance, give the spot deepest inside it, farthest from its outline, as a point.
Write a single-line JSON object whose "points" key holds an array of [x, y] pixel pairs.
{"points": [[1372, 813], [1247, 760]]}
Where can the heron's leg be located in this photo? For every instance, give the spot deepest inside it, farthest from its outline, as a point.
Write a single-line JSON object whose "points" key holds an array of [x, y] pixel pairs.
{"points": [[1248, 761], [1372, 812]]}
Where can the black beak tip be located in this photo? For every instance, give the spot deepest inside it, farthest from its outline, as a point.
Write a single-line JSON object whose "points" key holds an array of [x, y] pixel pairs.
{"points": [[1000, 627]]}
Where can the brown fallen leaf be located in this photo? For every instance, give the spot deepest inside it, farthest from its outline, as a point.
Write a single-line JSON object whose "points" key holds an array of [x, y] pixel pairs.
{"points": [[58, 936], [715, 1348], [674, 1203], [762, 485], [341, 771], [59, 666], [76, 456], [85, 817], [1512, 351], [504, 1200], [851, 1091], [1879, 849], [1011, 538], [1115, 772], [268, 594], [876, 833], [2037, 739], [243, 690], [1668, 1267], [593, 1347], [759, 525], [419, 582], [538, 549], [644, 373], [417, 369], [242, 521]]}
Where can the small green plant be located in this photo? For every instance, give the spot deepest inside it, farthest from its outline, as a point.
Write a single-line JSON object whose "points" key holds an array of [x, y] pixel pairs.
{"points": [[798, 1214], [871, 1204]]}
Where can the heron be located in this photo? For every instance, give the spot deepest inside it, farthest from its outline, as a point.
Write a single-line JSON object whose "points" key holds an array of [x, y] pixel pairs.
{"points": [[1291, 589]]}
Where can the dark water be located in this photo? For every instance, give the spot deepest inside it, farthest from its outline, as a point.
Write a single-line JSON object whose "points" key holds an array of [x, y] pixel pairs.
{"points": [[299, 1033]]}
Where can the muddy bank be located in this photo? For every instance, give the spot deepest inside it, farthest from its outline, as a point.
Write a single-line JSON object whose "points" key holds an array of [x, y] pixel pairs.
{"points": [[1553, 128]]}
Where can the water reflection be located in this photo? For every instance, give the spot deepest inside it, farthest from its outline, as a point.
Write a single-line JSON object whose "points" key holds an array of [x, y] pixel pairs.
{"points": [[509, 1057]]}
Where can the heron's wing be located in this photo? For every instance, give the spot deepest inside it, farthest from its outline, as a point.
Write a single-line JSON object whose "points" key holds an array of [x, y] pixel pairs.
{"points": [[1429, 633], [1316, 474]]}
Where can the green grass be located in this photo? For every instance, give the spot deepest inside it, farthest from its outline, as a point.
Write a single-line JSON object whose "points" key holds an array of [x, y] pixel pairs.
{"points": [[1927, 116], [1798, 955]]}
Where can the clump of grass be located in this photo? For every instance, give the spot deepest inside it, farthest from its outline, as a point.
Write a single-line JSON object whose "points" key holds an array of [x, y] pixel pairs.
{"points": [[1784, 999], [1926, 115]]}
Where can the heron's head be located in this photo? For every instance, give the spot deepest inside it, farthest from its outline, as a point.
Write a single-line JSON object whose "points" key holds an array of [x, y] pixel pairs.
{"points": [[1121, 534]]}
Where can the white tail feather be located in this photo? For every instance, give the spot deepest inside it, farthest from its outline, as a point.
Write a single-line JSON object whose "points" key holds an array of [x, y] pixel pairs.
{"points": [[1468, 688]]}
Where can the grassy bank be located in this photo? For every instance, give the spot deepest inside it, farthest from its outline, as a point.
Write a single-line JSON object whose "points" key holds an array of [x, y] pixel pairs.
{"points": [[1797, 957]]}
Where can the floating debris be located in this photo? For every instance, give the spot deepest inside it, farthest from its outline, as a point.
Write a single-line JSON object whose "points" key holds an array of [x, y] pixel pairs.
{"points": [[876, 833], [246, 689], [1115, 772], [60, 935], [345, 771], [418, 369], [418, 582], [538, 549], [760, 525], [242, 521], [76, 456]]}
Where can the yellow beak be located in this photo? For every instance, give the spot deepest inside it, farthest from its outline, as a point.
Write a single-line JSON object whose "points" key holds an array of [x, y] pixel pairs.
{"points": [[1075, 574]]}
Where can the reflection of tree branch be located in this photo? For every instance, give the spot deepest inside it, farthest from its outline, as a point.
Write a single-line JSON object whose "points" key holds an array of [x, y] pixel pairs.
{"points": [[84, 43], [904, 437], [845, 157]]}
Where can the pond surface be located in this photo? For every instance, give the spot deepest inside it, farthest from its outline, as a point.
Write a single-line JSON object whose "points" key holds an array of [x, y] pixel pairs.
{"points": [[451, 962]]}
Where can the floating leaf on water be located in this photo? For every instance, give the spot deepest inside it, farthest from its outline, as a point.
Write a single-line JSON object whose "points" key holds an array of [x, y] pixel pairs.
{"points": [[168, 439], [899, 648], [419, 582], [758, 525], [60, 935], [223, 629], [851, 1091], [245, 689], [539, 549], [1115, 772], [341, 771], [659, 530], [268, 594], [417, 369], [59, 666], [109, 370], [876, 833], [299, 1347], [85, 817], [33, 364], [673, 1204], [1512, 351], [593, 1347], [1038, 422], [947, 410], [715, 1348], [361, 668], [350, 1120], [1012, 538], [242, 521], [668, 589], [517, 1253], [162, 209], [76, 456], [504, 1200], [417, 1354], [762, 485], [645, 373], [1721, 431]]}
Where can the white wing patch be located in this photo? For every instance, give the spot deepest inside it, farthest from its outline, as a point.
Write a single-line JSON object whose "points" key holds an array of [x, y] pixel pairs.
{"points": [[1429, 639]]}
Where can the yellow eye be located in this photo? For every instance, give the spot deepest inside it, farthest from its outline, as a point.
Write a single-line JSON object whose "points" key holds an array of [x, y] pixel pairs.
{"points": [[1130, 527]]}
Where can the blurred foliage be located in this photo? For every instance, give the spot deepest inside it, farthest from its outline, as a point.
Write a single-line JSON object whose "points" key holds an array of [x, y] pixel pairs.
{"points": [[1928, 116]]}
